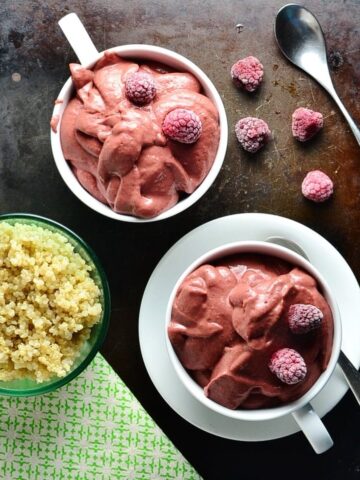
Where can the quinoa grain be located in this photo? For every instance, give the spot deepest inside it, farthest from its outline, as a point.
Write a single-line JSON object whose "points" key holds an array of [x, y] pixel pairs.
{"points": [[48, 303]]}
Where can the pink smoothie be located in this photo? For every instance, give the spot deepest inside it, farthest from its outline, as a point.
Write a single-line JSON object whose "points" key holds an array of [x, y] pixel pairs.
{"points": [[117, 150], [228, 319]]}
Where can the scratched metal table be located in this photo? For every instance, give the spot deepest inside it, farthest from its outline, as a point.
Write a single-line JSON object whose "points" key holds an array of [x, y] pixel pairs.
{"points": [[33, 66]]}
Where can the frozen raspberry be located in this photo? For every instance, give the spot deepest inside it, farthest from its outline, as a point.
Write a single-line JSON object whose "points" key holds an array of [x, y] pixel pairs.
{"points": [[182, 125], [317, 186], [288, 365], [303, 318], [252, 133], [140, 88], [306, 123], [247, 73]]}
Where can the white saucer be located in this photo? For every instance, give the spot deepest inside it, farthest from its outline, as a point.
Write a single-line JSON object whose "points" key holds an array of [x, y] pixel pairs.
{"points": [[248, 226]]}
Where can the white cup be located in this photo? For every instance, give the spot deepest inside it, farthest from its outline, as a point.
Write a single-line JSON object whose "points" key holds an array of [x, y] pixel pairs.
{"points": [[88, 56], [301, 409]]}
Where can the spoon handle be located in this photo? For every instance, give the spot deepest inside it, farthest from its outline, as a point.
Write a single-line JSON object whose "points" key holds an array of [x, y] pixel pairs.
{"points": [[346, 114], [79, 39], [351, 374]]}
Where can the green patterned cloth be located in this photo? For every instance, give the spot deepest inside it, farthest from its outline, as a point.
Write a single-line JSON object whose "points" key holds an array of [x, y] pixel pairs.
{"points": [[93, 428]]}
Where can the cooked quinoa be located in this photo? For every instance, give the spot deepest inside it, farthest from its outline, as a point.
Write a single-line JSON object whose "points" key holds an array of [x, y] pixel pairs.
{"points": [[48, 303]]}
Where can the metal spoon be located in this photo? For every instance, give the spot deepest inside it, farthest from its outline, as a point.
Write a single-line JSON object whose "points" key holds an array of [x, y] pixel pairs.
{"points": [[301, 40], [351, 374]]}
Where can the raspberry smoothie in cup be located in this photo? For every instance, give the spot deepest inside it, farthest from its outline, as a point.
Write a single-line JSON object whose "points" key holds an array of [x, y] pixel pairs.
{"points": [[139, 133], [254, 333]]}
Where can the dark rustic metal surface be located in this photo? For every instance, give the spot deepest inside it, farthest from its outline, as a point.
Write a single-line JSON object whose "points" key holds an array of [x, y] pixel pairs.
{"points": [[33, 66]]}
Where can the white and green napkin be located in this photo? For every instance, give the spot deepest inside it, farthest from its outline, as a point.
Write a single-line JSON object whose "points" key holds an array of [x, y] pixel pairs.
{"points": [[91, 429]]}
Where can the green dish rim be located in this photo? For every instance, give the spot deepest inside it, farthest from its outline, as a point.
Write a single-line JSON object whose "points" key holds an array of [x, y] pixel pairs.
{"points": [[105, 320]]}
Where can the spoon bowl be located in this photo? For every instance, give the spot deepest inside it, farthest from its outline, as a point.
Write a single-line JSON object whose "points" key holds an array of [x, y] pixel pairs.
{"points": [[301, 39]]}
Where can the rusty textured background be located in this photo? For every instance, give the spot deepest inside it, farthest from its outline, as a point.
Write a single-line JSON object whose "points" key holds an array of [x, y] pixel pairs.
{"points": [[33, 66]]}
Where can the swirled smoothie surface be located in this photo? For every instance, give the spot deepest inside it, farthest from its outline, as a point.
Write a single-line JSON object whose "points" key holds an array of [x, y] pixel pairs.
{"points": [[229, 318], [117, 149]]}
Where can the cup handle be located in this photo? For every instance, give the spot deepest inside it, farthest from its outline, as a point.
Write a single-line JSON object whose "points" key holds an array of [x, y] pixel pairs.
{"points": [[313, 428], [79, 39]]}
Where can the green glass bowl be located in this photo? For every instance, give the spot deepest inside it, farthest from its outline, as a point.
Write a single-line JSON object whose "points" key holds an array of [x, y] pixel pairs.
{"points": [[27, 387]]}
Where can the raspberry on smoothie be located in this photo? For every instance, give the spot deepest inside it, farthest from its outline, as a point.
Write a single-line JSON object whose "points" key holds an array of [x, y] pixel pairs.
{"points": [[288, 365], [140, 88], [304, 318], [182, 125]]}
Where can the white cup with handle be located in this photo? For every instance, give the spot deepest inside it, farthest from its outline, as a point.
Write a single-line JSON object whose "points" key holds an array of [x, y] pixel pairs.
{"points": [[88, 55], [301, 409]]}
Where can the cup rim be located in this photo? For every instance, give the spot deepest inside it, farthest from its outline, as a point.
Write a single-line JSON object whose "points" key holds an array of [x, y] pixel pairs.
{"points": [[105, 318], [286, 254], [168, 56]]}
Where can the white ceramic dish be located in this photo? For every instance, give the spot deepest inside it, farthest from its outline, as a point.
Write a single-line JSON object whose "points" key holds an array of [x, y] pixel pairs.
{"points": [[211, 235], [85, 49]]}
